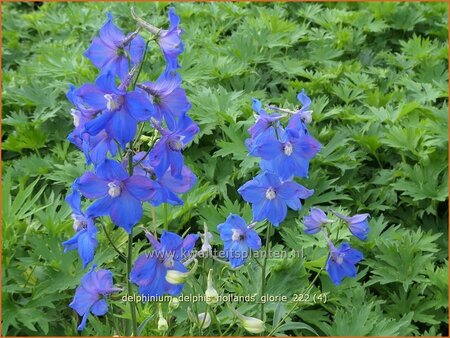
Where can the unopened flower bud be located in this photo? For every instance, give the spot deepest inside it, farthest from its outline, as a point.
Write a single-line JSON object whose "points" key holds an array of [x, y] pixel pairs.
{"points": [[177, 277], [211, 294], [206, 238], [204, 320], [162, 322], [174, 303], [252, 325]]}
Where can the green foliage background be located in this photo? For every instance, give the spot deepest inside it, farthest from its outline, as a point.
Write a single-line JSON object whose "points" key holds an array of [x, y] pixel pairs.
{"points": [[377, 74]]}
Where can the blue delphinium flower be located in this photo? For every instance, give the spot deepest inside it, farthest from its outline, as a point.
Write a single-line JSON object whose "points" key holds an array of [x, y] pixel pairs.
{"points": [[118, 195], [121, 110], [169, 99], [167, 151], [314, 221], [263, 120], [85, 239], [149, 270], [90, 295], [110, 49], [169, 186], [341, 262], [238, 239], [270, 197], [170, 40], [301, 118], [288, 156], [358, 224]]}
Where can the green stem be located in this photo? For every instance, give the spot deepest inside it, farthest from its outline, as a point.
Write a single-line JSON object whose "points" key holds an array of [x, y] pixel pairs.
{"points": [[112, 243], [295, 305], [166, 222], [263, 270], [130, 287], [140, 66], [130, 255]]}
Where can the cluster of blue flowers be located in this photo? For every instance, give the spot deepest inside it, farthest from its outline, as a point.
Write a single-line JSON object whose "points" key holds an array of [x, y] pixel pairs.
{"points": [[342, 260], [285, 154], [109, 116]]}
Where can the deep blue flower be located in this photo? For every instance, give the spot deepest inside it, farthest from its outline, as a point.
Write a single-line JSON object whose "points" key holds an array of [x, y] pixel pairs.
{"points": [[117, 194], [170, 41], [238, 239], [169, 99], [81, 115], [341, 262], [121, 110], [97, 147], [263, 120], [90, 295], [94, 147], [358, 224], [301, 118], [167, 151], [149, 270], [288, 156], [169, 186], [314, 221], [270, 197], [109, 50], [85, 239]]}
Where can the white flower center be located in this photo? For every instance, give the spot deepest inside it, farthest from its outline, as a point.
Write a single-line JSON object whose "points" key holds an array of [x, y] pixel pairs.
{"points": [[76, 117], [339, 258], [175, 145], [169, 262], [237, 235], [288, 148], [112, 102], [306, 116], [114, 190], [270, 193]]}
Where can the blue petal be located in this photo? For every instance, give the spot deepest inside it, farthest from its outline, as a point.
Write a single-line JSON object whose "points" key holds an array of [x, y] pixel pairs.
{"points": [[100, 207], [139, 106], [253, 240], [98, 124], [304, 99], [87, 244], [276, 211], [112, 170], [122, 127], [100, 53], [92, 186], [256, 105], [144, 269], [136, 49], [171, 241], [126, 211], [99, 308], [83, 322], [141, 187], [110, 34]]}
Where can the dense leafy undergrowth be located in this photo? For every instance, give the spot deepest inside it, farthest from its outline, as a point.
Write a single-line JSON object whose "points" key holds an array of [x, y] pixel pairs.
{"points": [[377, 74]]}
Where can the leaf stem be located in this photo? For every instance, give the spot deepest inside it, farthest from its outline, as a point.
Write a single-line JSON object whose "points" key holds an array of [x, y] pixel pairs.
{"points": [[263, 270], [112, 243], [130, 254], [166, 222]]}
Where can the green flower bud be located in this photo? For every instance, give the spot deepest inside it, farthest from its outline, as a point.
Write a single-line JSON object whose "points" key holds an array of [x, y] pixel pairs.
{"points": [[174, 303], [211, 294], [204, 320]]}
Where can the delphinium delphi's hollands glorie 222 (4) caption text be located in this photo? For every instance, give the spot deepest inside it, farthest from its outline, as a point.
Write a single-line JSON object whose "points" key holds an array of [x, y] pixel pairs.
{"points": [[129, 167]]}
